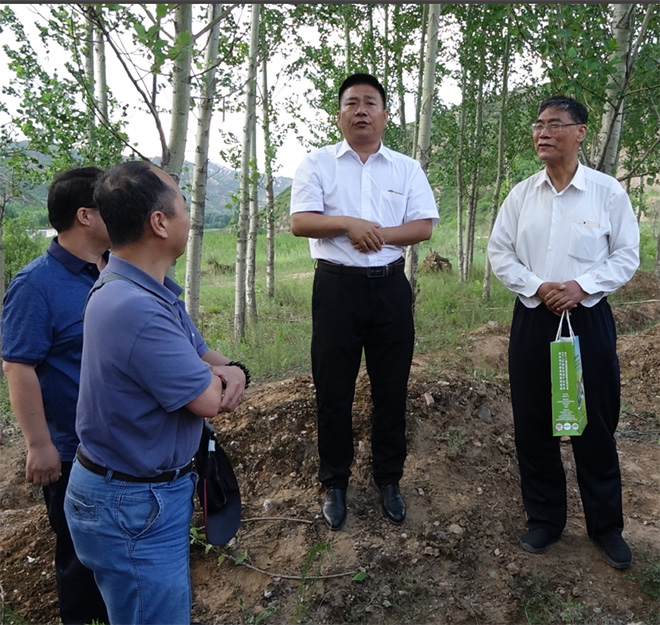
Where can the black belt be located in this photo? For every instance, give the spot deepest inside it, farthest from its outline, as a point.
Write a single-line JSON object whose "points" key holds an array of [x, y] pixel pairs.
{"points": [[167, 476], [368, 272]]}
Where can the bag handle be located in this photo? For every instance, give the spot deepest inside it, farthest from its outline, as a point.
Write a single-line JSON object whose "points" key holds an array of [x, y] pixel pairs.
{"points": [[565, 315]]}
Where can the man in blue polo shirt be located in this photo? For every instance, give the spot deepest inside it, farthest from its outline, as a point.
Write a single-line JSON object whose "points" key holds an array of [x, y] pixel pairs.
{"points": [[147, 381], [42, 346]]}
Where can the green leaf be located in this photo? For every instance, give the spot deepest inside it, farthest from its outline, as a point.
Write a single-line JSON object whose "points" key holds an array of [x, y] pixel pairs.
{"points": [[240, 559], [360, 577], [161, 10], [183, 38]]}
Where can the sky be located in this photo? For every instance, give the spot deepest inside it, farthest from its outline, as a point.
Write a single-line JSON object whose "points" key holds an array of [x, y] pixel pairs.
{"points": [[141, 126]]}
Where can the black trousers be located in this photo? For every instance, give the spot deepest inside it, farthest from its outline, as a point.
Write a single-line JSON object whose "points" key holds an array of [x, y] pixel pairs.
{"points": [[78, 597], [543, 480], [351, 313]]}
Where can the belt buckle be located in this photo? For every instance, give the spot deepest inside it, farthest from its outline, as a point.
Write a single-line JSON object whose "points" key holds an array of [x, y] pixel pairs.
{"points": [[376, 272]]}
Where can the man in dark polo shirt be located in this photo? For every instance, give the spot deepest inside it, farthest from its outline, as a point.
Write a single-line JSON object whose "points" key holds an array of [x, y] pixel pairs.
{"points": [[42, 346]]}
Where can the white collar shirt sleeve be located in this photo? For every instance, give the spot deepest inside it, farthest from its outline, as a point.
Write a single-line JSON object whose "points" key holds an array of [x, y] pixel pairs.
{"points": [[587, 232], [389, 189]]}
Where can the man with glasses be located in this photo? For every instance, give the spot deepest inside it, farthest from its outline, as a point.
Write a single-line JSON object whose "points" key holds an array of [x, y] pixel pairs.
{"points": [[564, 240]]}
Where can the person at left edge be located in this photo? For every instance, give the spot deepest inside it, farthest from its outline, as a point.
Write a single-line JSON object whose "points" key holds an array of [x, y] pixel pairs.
{"points": [[147, 381], [42, 346]]}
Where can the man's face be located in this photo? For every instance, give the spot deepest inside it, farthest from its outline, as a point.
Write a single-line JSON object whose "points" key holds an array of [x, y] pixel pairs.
{"points": [[562, 143], [99, 231], [362, 115], [179, 222]]}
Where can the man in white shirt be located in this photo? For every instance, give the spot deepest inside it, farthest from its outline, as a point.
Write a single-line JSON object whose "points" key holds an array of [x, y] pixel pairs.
{"points": [[360, 204], [565, 239]]}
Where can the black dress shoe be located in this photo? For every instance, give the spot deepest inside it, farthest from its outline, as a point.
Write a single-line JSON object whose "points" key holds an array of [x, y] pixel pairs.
{"points": [[334, 508], [617, 552], [538, 539], [393, 503]]}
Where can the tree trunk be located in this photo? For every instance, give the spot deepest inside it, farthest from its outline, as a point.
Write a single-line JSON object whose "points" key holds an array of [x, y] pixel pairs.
{"points": [[244, 208], [268, 172], [180, 96], [400, 87], [89, 76], [253, 231], [372, 38], [2, 277], [460, 185], [473, 192], [200, 174], [610, 131], [386, 50], [347, 45], [426, 116], [485, 292], [101, 82], [420, 81]]}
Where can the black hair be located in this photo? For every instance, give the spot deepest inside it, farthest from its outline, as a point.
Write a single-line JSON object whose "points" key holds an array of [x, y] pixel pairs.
{"points": [[69, 191], [362, 79], [127, 195], [578, 112]]}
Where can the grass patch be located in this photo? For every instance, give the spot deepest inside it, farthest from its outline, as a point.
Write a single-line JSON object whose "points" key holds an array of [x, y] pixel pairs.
{"points": [[276, 345], [542, 607], [649, 580], [9, 617]]}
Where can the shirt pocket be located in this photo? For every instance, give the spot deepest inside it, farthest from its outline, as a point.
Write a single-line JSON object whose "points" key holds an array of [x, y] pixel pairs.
{"points": [[392, 208], [586, 241]]}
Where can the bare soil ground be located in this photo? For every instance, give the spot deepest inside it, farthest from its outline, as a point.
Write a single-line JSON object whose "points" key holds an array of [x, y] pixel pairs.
{"points": [[455, 561]]}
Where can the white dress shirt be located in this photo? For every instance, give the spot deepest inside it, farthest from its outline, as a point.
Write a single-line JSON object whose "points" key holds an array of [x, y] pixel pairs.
{"points": [[587, 233], [389, 189]]}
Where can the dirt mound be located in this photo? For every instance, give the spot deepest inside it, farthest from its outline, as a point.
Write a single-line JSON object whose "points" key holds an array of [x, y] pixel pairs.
{"points": [[636, 306], [434, 262], [455, 561]]}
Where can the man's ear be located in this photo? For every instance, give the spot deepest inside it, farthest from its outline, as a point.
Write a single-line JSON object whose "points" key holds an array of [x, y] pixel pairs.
{"points": [[82, 215], [158, 224], [582, 132]]}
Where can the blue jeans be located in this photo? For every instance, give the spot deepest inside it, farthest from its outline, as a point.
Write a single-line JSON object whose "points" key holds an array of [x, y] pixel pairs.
{"points": [[135, 537], [78, 595]]}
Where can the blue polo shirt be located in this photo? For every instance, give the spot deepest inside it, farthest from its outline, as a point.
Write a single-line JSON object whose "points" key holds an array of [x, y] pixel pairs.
{"points": [[42, 327], [141, 365]]}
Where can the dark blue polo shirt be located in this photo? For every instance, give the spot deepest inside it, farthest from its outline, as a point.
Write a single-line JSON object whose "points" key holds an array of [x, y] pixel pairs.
{"points": [[42, 326], [141, 365]]}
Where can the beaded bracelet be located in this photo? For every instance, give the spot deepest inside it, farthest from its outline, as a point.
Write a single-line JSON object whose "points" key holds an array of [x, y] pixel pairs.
{"points": [[240, 365]]}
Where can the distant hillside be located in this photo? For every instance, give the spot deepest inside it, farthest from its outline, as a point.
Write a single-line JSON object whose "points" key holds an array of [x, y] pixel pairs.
{"points": [[221, 189]]}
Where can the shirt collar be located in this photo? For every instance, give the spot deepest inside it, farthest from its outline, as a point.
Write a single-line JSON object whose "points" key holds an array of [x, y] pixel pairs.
{"points": [[169, 291], [344, 147], [73, 263], [578, 181]]}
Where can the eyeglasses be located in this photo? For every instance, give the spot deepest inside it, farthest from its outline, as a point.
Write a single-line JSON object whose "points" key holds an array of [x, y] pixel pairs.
{"points": [[551, 128]]}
